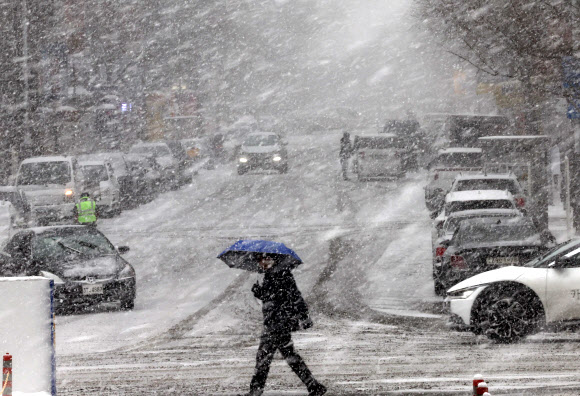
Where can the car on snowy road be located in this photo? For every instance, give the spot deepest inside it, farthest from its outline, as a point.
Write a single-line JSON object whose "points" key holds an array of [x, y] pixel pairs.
{"points": [[262, 150], [85, 267], [445, 167], [512, 302], [440, 237], [100, 182], [379, 156], [488, 181], [473, 200], [482, 244], [163, 155]]}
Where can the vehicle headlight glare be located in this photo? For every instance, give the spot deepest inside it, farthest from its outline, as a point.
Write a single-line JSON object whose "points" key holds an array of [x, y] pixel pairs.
{"points": [[68, 192], [243, 160], [277, 158]]}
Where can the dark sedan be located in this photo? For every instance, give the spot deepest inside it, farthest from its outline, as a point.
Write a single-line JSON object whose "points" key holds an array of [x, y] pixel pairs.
{"points": [[86, 268], [483, 244]]}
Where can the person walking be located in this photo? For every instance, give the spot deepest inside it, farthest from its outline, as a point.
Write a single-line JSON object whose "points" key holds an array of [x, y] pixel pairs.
{"points": [[86, 210], [345, 153], [284, 311]]}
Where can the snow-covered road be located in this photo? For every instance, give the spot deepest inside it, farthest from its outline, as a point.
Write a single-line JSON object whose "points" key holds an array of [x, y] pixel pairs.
{"points": [[367, 277]]}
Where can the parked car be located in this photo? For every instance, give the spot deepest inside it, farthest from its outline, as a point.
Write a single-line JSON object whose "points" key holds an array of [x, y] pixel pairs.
{"points": [[52, 185], [162, 154], [263, 150], [147, 177], [378, 156], [509, 303], [471, 200], [484, 244], [100, 182], [443, 170], [441, 236], [85, 266], [120, 170], [20, 205], [488, 181]]}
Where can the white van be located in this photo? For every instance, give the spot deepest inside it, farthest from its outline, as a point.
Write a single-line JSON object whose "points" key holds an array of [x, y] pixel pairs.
{"points": [[52, 185], [101, 183]]}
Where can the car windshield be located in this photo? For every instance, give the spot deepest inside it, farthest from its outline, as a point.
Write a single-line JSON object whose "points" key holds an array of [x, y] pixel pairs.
{"points": [[42, 173], [261, 140], [376, 143], [95, 173], [156, 151], [486, 184], [502, 230], [457, 160], [479, 204], [548, 257], [57, 248]]}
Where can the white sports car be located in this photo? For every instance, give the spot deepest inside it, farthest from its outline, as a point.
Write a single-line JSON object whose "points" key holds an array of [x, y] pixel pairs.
{"points": [[509, 303]]}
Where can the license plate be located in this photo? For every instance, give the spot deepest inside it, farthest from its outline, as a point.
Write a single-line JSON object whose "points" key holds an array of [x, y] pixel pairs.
{"points": [[511, 260], [92, 289]]}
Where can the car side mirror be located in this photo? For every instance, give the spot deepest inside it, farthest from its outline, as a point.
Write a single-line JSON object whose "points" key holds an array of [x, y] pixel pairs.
{"points": [[123, 249], [433, 215]]}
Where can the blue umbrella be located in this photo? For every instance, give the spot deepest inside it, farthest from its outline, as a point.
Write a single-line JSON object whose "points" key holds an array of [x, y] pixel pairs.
{"points": [[245, 254]]}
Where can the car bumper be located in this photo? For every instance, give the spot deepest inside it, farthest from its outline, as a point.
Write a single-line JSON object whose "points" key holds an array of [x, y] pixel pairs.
{"points": [[460, 309], [262, 164], [70, 295]]}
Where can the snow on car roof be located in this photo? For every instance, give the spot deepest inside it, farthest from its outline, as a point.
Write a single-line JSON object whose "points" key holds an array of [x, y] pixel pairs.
{"points": [[451, 150], [478, 176], [261, 134], [46, 159], [92, 163], [150, 144], [485, 212], [476, 195], [515, 137]]}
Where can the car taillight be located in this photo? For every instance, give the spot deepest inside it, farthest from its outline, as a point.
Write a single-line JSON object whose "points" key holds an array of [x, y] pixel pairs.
{"points": [[440, 251], [362, 154], [436, 176], [520, 202], [458, 262]]}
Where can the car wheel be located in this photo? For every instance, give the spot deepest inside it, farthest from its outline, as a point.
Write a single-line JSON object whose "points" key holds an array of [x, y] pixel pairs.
{"points": [[128, 303], [510, 313]]}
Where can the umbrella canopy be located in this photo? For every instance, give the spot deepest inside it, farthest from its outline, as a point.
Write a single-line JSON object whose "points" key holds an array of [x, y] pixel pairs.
{"points": [[246, 254]]}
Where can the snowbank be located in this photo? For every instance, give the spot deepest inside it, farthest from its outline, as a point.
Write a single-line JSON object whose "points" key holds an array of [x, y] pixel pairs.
{"points": [[26, 332]]}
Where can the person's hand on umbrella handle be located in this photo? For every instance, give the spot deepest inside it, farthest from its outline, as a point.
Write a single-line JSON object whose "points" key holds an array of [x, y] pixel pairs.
{"points": [[257, 290]]}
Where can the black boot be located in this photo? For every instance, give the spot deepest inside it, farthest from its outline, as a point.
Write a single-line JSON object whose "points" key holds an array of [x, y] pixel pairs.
{"points": [[316, 389]]}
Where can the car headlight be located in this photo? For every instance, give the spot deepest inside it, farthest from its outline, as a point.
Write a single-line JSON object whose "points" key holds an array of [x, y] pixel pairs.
{"points": [[127, 272], [277, 158], [243, 160], [463, 293]]}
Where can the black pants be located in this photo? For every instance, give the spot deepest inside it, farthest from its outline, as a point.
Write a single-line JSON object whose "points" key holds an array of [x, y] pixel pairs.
{"points": [[269, 343]]}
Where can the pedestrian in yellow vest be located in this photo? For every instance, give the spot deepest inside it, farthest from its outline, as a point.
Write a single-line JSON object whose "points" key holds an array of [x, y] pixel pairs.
{"points": [[86, 210]]}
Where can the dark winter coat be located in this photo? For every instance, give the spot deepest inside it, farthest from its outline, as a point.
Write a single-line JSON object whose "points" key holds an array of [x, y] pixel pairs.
{"points": [[283, 307], [345, 147]]}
